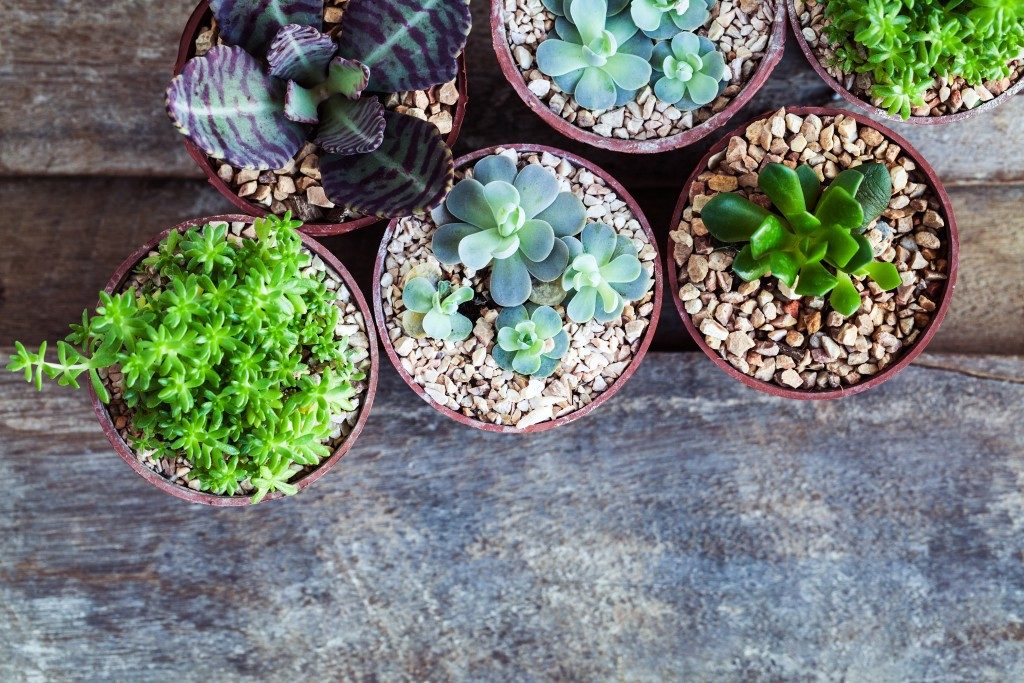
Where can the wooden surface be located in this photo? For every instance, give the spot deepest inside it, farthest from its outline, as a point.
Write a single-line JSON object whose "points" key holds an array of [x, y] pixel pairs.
{"points": [[692, 529]]}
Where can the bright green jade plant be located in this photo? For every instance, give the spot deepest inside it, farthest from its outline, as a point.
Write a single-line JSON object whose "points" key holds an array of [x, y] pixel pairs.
{"points": [[278, 82], [228, 354], [817, 243]]}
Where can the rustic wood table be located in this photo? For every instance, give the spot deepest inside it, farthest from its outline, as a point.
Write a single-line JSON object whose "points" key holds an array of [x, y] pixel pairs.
{"points": [[690, 529]]}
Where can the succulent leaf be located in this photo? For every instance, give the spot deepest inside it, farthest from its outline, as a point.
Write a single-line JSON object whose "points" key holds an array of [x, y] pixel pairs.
{"points": [[252, 24], [844, 297], [301, 104], [494, 168], [510, 283], [232, 110], [689, 71], [875, 192], [602, 267], [300, 53], [407, 44], [439, 306], [566, 215], [530, 344], [731, 217], [538, 188], [347, 77], [350, 126], [410, 172]]}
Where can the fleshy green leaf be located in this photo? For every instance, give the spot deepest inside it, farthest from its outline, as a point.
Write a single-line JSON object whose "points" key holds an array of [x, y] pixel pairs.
{"points": [[468, 202], [844, 298], [865, 253], [558, 57], [771, 236], [566, 215], [536, 240], [589, 17], [782, 185], [875, 192], [838, 207], [538, 189], [732, 218], [815, 280], [347, 77], [596, 89], [510, 281], [350, 126], [301, 54], [445, 243], [841, 246], [748, 267], [418, 295], [548, 322], [809, 184], [884, 274], [495, 167], [301, 105], [252, 24], [784, 265]]}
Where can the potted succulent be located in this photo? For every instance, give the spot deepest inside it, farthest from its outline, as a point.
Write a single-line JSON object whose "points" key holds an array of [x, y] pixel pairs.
{"points": [[342, 118], [637, 76], [921, 62], [813, 253], [527, 298], [230, 361]]}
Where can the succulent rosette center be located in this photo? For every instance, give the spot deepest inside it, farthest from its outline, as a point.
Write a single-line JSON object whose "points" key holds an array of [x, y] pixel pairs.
{"points": [[599, 50]]}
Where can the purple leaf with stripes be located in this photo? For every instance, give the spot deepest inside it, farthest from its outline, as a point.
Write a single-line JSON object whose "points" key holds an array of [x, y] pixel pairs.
{"points": [[252, 24], [348, 77], [301, 54], [408, 44], [300, 104], [231, 109], [350, 126], [411, 171]]}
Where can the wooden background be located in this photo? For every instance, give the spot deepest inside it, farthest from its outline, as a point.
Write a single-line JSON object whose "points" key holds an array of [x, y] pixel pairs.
{"points": [[691, 529]]}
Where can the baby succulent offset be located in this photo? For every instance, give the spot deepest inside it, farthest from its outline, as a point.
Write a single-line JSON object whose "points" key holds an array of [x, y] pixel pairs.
{"points": [[434, 309], [816, 244], [603, 274], [530, 343], [663, 19], [511, 220], [595, 52], [279, 81], [689, 71]]}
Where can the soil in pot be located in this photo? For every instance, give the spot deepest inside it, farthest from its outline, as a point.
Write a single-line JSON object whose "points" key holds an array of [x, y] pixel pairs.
{"points": [[463, 376], [741, 31], [296, 187], [945, 97], [770, 333]]}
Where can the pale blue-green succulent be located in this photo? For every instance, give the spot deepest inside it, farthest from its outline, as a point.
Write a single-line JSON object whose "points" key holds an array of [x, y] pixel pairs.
{"points": [[603, 274], [663, 19], [435, 309], [510, 220], [530, 343], [689, 72], [595, 52]]}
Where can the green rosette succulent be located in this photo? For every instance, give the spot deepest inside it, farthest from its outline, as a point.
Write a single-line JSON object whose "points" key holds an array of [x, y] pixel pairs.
{"points": [[510, 220], [816, 244], [688, 71], [434, 309], [530, 343], [663, 19], [603, 269], [595, 52]]}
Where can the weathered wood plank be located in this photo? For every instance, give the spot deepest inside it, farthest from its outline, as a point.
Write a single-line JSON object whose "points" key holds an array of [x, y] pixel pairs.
{"points": [[744, 539], [63, 238], [83, 85]]}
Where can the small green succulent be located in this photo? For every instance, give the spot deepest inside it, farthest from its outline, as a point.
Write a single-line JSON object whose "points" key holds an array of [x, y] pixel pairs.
{"points": [[510, 220], [815, 245], [662, 19], [602, 265], [688, 71], [596, 53], [435, 310], [530, 343]]}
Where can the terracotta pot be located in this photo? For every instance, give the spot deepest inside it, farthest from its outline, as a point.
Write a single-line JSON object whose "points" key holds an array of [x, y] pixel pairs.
{"points": [[117, 281], [952, 241], [186, 50], [772, 55], [645, 342], [794, 22]]}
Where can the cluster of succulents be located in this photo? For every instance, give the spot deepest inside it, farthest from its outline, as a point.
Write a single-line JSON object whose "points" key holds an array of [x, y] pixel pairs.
{"points": [[906, 44], [523, 227], [604, 51], [278, 81], [228, 353], [816, 242]]}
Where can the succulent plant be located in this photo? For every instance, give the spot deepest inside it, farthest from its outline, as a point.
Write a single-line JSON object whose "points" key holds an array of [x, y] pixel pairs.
{"points": [[663, 19], [595, 52], [255, 101], [689, 71], [602, 265], [816, 244], [530, 343], [511, 220], [434, 310]]}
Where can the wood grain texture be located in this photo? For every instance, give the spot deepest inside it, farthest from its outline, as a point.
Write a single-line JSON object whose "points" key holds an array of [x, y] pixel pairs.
{"points": [[746, 539], [64, 237], [82, 88]]}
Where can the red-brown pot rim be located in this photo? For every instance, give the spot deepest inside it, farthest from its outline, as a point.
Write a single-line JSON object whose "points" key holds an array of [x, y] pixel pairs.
{"points": [[620, 381], [812, 58], [122, 448], [772, 56], [185, 48], [906, 358]]}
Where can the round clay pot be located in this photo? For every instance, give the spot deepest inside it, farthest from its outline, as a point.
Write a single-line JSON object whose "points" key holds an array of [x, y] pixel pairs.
{"points": [[186, 50], [794, 22], [952, 240], [117, 281], [772, 55], [645, 342]]}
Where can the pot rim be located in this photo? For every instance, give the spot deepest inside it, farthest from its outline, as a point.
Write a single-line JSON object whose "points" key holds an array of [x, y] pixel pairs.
{"points": [[772, 56], [812, 58], [185, 45], [620, 381], [190, 495], [906, 357]]}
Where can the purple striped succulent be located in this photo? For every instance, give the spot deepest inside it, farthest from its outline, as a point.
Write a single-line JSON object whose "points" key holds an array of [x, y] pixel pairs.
{"points": [[280, 81]]}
